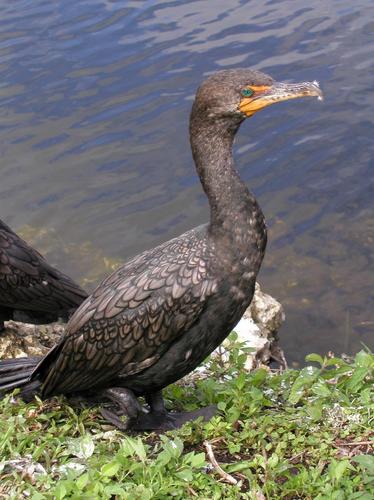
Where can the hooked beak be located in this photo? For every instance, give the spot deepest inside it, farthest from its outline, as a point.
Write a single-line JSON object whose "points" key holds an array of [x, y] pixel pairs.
{"points": [[265, 96]]}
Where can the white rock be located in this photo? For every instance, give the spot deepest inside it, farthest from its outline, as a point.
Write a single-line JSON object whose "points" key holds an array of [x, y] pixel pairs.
{"points": [[258, 329]]}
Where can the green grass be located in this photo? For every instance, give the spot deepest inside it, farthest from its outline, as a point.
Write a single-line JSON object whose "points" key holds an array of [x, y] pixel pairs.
{"points": [[291, 435]]}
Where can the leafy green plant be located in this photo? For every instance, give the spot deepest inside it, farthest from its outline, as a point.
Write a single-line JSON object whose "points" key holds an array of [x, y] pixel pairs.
{"points": [[299, 434]]}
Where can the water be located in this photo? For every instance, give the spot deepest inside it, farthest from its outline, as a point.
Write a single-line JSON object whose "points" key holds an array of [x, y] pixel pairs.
{"points": [[95, 161]]}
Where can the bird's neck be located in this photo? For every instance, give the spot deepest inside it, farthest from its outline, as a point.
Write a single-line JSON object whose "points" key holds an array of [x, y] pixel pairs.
{"points": [[235, 213]]}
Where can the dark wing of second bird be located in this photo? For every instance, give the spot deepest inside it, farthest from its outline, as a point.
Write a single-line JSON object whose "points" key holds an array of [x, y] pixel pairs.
{"points": [[133, 316], [28, 282]]}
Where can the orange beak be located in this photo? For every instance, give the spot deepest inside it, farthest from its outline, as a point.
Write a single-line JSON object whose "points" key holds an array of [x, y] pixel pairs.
{"points": [[267, 95]]}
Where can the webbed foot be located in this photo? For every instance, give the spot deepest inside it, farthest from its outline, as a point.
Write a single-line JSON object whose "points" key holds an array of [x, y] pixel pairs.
{"points": [[128, 404], [157, 419], [165, 421]]}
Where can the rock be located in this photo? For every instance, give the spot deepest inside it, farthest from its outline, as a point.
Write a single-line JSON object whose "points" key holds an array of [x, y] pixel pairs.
{"points": [[266, 311], [23, 339], [25, 466], [258, 329]]}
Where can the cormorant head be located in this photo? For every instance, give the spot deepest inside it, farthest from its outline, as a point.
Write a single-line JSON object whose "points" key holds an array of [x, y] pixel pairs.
{"points": [[243, 92]]}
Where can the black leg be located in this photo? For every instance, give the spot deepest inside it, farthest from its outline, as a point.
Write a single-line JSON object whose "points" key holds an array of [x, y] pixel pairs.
{"points": [[156, 402], [160, 419]]}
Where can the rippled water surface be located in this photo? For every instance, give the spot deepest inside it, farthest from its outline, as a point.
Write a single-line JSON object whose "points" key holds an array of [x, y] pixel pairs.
{"points": [[95, 160]]}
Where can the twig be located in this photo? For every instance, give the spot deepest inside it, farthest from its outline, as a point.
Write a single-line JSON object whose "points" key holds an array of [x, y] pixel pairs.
{"points": [[242, 476], [298, 455], [357, 443], [192, 491], [218, 440], [226, 477]]}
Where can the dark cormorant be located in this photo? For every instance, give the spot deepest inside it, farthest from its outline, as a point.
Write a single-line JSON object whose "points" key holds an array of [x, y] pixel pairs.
{"points": [[161, 314], [28, 284]]}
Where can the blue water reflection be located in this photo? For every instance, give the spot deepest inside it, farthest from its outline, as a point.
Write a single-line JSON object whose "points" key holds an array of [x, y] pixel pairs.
{"points": [[94, 103]]}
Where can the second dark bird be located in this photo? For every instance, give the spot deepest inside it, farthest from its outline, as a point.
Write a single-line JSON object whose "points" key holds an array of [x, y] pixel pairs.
{"points": [[30, 287]]}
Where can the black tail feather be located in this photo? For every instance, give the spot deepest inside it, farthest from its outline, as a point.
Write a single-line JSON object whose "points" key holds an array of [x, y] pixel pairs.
{"points": [[15, 373], [18, 364]]}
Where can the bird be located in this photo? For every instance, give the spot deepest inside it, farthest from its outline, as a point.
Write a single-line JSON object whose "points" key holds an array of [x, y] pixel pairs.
{"points": [[158, 316], [30, 288]]}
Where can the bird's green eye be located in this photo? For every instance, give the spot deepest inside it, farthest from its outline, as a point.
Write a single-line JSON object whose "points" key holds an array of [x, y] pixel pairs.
{"points": [[247, 92]]}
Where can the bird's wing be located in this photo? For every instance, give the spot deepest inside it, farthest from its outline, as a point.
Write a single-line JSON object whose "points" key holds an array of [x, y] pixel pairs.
{"points": [[28, 282], [133, 316]]}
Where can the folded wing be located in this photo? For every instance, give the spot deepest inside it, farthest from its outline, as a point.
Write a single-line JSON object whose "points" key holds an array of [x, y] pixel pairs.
{"points": [[133, 317]]}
